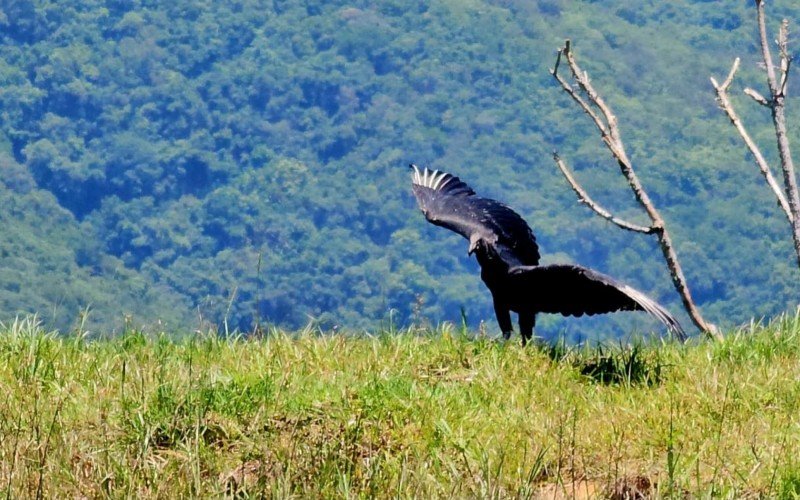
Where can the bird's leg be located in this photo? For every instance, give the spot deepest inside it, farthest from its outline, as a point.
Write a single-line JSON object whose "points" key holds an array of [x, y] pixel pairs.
{"points": [[503, 314], [526, 323]]}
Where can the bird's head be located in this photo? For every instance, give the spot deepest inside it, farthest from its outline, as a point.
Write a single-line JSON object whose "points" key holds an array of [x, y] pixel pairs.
{"points": [[475, 244]]}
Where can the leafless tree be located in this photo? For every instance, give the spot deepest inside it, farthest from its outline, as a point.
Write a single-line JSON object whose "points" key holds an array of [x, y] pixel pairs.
{"points": [[787, 195], [584, 94]]}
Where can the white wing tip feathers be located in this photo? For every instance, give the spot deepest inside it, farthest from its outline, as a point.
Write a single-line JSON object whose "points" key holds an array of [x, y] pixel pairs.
{"points": [[432, 179], [650, 306]]}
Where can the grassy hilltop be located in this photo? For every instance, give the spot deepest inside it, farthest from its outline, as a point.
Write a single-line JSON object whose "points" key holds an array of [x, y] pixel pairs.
{"points": [[422, 413]]}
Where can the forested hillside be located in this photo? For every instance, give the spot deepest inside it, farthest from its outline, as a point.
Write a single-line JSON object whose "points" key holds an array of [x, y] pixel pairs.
{"points": [[246, 160]]}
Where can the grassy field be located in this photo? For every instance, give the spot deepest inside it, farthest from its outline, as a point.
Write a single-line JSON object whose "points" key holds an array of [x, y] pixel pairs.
{"points": [[425, 414]]}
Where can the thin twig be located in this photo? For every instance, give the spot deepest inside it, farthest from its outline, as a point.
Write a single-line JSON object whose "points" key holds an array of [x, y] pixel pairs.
{"points": [[765, 52], [755, 96], [583, 197], [572, 93], [612, 139], [786, 58], [785, 77], [732, 73]]}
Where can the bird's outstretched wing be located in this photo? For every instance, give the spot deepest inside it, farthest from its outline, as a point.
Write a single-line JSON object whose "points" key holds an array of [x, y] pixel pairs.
{"points": [[575, 291], [449, 202]]}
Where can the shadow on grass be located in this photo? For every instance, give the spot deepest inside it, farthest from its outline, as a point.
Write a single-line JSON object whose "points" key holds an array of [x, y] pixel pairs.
{"points": [[629, 365]]}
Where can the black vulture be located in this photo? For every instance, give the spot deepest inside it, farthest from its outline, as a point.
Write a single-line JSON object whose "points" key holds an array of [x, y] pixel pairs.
{"points": [[507, 252]]}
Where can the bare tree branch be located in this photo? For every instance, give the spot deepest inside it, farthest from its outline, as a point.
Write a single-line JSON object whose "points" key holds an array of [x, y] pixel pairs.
{"points": [[779, 117], [583, 197], [787, 195], [608, 128], [785, 77], [725, 104], [765, 52], [756, 96], [575, 96], [786, 58], [731, 74], [606, 122]]}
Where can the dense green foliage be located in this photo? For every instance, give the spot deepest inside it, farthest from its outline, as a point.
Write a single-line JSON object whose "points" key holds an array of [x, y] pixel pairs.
{"points": [[412, 414], [245, 161]]}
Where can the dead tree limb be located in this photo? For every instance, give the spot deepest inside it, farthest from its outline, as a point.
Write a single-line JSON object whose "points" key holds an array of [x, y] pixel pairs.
{"points": [[787, 195], [583, 197], [725, 104], [600, 113]]}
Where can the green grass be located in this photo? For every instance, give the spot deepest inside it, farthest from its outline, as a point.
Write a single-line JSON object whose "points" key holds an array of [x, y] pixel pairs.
{"points": [[425, 414]]}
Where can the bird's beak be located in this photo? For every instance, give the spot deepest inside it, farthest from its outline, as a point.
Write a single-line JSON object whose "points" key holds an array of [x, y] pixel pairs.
{"points": [[473, 245]]}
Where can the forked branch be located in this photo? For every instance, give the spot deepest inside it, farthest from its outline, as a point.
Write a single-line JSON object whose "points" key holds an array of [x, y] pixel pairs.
{"points": [[590, 101], [787, 195], [572, 92], [725, 104]]}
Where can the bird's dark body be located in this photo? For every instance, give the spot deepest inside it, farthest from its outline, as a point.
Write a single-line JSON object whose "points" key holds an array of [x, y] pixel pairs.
{"points": [[508, 295], [507, 252]]}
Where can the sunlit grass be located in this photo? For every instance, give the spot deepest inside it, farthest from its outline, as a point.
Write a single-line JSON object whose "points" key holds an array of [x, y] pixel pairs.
{"points": [[420, 413]]}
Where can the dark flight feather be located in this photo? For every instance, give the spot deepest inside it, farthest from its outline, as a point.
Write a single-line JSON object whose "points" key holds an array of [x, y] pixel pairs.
{"points": [[574, 291], [449, 202]]}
